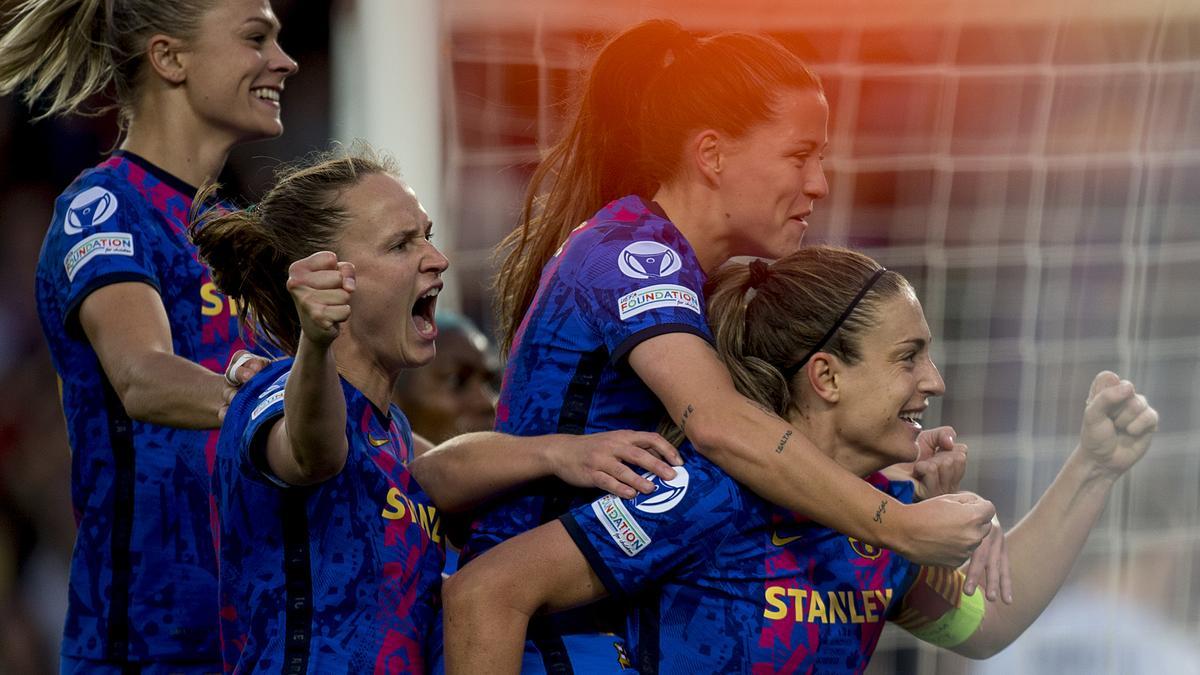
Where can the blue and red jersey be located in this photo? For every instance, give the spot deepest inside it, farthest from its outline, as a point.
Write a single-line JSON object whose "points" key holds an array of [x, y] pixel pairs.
{"points": [[623, 277], [342, 576], [143, 573], [723, 581]]}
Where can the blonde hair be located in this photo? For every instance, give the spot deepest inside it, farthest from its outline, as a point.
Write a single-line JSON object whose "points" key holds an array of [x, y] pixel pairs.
{"points": [[70, 50], [249, 250]]}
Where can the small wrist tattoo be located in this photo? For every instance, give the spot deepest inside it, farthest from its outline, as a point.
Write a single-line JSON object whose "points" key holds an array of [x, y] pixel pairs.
{"points": [[783, 441], [684, 420], [879, 512]]}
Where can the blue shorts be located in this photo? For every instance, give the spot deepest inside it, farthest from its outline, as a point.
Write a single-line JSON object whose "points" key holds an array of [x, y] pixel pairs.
{"points": [[70, 665], [587, 654]]}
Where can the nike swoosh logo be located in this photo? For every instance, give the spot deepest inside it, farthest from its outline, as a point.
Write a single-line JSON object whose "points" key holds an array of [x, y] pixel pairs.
{"points": [[376, 442], [782, 541]]}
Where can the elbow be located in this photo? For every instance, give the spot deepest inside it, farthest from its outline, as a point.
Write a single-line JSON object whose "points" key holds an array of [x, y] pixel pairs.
{"points": [[139, 404], [471, 591], [314, 468]]}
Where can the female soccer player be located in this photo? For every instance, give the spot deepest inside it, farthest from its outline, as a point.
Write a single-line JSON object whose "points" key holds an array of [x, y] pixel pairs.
{"points": [[330, 552], [839, 347], [694, 151], [137, 332]]}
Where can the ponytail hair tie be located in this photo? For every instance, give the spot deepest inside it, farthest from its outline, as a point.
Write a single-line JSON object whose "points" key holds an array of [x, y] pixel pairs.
{"points": [[759, 273]]}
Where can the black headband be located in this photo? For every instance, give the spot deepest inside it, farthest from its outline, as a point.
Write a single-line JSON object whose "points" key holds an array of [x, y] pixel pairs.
{"points": [[790, 372]]}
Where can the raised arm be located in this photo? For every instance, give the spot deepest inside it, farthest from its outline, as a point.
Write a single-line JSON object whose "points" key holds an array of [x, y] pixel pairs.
{"points": [[775, 460], [469, 469], [127, 327], [1117, 427], [308, 444]]}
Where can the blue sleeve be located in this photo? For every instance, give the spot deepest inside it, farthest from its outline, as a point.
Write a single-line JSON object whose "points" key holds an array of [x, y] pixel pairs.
{"points": [[631, 543], [99, 236], [639, 285], [257, 412]]}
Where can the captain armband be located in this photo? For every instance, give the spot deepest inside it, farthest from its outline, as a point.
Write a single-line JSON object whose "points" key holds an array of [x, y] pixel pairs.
{"points": [[936, 609]]}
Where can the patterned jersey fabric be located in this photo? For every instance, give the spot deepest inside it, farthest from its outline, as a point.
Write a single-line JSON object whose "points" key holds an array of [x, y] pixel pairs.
{"points": [[621, 278], [342, 576], [726, 582], [143, 574]]}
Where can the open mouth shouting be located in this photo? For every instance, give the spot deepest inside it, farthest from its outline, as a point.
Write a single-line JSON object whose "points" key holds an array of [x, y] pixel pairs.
{"points": [[423, 311]]}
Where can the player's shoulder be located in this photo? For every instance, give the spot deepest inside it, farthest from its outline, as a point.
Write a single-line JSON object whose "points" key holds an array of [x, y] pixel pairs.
{"points": [[707, 481], [630, 223], [99, 200], [263, 392]]}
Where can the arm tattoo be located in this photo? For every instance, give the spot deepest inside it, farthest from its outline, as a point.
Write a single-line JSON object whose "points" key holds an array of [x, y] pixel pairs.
{"points": [[879, 512], [783, 441], [684, 420]]}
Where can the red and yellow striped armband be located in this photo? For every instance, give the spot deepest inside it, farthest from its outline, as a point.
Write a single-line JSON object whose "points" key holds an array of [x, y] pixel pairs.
{"points": [[936, 609]]}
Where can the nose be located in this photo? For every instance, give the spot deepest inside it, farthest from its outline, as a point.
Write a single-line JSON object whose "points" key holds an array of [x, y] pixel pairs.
{"points": [[816, 186], [282, 63], [932, 383], [434, 261]]}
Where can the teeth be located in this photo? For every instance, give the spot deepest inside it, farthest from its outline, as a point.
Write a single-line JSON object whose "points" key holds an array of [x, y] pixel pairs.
{"points": [[266, 93], [431, 293], [422, 325]]}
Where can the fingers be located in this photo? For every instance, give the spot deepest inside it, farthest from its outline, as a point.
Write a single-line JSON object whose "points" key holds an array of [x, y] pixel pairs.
{"points": [[642, 458], [1106, 402], [1130, 411], [612, 485], [1144, 423], [1006, 591], [659, 446], [1103, 380], [346, 270], [976, 569], [993, 562]]}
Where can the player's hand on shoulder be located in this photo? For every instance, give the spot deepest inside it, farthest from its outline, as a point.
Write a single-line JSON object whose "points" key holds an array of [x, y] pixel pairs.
{"points": [[613, 461], [1118, 424], [321, 287], [242, 366]]}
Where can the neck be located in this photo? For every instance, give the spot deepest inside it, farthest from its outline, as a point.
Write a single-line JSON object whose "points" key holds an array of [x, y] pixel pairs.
{"points": [[700, 217], [167, 133], [819, 427], [364, 373]]}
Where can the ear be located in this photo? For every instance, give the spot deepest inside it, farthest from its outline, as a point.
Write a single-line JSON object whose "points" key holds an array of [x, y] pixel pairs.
{"points": [[166, 57], [823, 371], [706, 156]]}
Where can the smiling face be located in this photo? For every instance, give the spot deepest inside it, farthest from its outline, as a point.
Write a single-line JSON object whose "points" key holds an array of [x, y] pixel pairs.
{"points": [[771, 176], [397, 274], [236, 70], [882, 397]]}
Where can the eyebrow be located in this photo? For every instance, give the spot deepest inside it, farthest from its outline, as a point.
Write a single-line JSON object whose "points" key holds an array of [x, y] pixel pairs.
{"points": [[271, 24], [916, 343]]}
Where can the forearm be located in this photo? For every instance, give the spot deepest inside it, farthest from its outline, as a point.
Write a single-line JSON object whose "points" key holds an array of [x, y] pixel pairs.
{"points": [[484, 632], [1042, 549], [469, 469], [314, 418], [780, 464], [165, 389]]}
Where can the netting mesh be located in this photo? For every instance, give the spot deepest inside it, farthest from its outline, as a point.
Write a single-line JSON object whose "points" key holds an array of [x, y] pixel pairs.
{"points": [[1037, 177]]}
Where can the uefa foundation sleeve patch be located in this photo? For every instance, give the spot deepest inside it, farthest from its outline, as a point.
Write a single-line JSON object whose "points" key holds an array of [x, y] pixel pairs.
{"points": [[621, 525], [108, 243], [656, 297]]}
